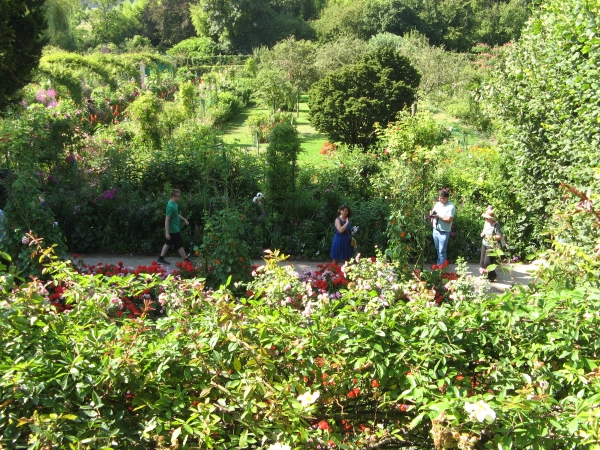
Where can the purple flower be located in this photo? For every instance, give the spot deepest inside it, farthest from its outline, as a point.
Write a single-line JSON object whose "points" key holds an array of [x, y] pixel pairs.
{"points": [[53, 104], [109, 194], [51, 93]]}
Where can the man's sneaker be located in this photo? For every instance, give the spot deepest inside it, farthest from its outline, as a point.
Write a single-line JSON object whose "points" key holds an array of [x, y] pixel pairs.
{"points": [[162, 260]]}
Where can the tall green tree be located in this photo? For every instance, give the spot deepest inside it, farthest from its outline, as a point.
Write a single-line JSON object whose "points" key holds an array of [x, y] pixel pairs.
{"points": [[172, 21], [22, 27], [296, 60], [547, 96], [242, 25], [272, 89], [61, 23], [282, 168], [348, 103]]}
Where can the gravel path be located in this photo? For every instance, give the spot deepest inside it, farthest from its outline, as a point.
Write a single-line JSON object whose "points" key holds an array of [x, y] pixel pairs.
{"points": [[508, 275]]}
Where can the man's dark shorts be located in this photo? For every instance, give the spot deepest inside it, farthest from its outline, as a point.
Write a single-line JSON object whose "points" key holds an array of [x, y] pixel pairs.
{"points": [[176, 241]]}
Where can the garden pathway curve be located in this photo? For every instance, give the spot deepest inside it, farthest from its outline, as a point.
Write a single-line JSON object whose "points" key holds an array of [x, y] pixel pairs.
{"points": [[508, 276]]}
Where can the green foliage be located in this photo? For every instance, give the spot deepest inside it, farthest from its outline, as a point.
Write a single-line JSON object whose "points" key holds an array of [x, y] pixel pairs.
{"points": [[340, 19], [442, 72], [333, 55], [198, 50], [502, 22], [261, 125], [546, 95], [224, 252], [282, 166], [453, 24], [346, 104], [348, 369], [171, 20], [228, 105], [187, 97], [145, 110], [273, 90], [21, 41], [242, 25], [60, 15], [27, 212], [296, 60], [573, 260], [391, 16]]}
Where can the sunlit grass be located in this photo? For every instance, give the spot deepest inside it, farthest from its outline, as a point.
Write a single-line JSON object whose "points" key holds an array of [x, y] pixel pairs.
{"points": [[237, 133]]}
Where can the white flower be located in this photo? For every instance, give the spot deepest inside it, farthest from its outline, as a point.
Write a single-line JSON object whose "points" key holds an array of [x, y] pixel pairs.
{"points": [[278, 446], [308, 310], [481, 411], [308, 398], [259, 195]]}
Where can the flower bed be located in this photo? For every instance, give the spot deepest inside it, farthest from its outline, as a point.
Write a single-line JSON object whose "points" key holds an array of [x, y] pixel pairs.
{"points": [[380, 364]]}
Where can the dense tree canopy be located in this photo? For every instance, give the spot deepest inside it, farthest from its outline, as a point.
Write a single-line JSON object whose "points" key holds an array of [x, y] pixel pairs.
{"points": [[346, 104], [548, 95], [241, 25], [22, 27], [455, 24]]}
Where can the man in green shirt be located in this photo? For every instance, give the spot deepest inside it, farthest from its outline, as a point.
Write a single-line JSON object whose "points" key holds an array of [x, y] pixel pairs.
{"points": [[172, 229]]}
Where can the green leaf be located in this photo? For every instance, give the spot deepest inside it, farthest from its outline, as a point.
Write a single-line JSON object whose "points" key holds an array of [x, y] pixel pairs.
{"points": [[416, 421], [243, 443]]}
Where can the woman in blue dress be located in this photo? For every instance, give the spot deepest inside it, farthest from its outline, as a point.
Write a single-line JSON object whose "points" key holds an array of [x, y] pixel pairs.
{"points": [[341, 250]]}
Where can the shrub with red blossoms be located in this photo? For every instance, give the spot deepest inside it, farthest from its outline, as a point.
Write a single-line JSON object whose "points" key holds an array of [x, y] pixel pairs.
{"points": [[326, 279]]}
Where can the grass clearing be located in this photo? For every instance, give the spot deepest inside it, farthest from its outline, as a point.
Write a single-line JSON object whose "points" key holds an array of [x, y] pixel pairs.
{"points": [[464, 135], [235, 132]]}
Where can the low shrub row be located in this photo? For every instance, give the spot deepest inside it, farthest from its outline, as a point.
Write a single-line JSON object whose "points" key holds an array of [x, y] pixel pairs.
{"points": [[370, 355]]}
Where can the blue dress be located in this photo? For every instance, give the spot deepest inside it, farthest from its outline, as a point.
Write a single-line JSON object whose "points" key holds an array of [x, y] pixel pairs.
{"points": [[341, 249]]}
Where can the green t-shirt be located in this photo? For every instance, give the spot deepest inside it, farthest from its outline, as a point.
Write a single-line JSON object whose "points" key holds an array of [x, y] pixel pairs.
{"points": [[173, 213]]}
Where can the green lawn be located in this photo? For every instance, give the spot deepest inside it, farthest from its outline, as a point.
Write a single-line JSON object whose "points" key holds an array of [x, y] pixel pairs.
{"points": [[464, 135], [237, 133]]}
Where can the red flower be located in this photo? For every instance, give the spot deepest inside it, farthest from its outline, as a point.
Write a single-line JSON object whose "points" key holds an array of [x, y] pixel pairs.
{"points": [[375, 383], [323, 425], [75, 255], [353, 393]]}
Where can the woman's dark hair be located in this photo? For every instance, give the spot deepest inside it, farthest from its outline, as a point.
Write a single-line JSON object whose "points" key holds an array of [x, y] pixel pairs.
{"points": [[344, 206], [444, 193]]}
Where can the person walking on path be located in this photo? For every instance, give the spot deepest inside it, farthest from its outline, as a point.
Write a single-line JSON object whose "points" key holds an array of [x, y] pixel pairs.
{"points": [[341, 250], [172, 229], [491, 234], [442, 216]]}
